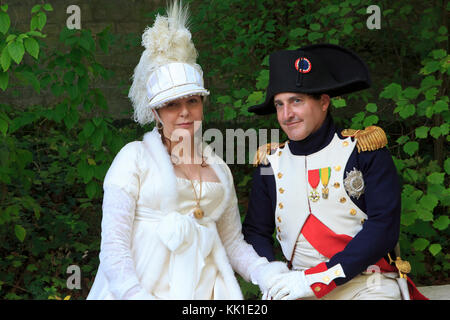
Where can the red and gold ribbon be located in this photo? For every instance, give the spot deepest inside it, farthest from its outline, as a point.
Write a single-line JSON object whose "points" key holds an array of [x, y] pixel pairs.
{"points": [[313, 180]]}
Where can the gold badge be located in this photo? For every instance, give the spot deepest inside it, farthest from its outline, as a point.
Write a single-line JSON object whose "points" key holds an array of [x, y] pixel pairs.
{"points": [[354, 183]]}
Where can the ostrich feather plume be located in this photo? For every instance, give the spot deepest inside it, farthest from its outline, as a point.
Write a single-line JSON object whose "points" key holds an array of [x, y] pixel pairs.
{"points": [[167, 41]]}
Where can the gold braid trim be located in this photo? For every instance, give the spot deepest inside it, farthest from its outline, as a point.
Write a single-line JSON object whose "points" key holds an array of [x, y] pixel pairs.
{"points": [[265, 150], [369, 139]]}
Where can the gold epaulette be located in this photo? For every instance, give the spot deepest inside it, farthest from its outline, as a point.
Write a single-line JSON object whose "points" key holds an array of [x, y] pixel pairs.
{"points": [[265, 150], [369, 139]]}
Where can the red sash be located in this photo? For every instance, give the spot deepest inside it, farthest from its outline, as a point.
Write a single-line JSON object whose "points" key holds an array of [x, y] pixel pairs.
{"points": [[328, 243]]}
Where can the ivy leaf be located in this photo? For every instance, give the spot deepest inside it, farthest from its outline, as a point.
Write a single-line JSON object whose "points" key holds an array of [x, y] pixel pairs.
{"points": [[441, 223], [430, 67], [229, 113], [314, 36], [71, 118], [371, 107], [411, 93], [255, 97], [263, 79], [357, 119], [370, 120], [436, 178], [439, 53], [407, 111], [5, 59], [411, 147], [16, 51], [97, 138], [422, 132], [426, 215], [36, 8], [32, 47], [447, 166], [435, 248], [420, 244], [435, 132], [444, 129], [315, 27], [392, 91], [297, 32], [91, 189], [48, 7], [429, 201], [5, 22], [42, 20], [431, 93], [402, 140], [408, 219], [430, 81], [339, 103], [88, 129], [20, 232], [348, 28]]}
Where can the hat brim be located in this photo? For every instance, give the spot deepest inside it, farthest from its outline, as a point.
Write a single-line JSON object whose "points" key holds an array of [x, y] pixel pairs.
{"points": [[177, 92], [267, 106]]}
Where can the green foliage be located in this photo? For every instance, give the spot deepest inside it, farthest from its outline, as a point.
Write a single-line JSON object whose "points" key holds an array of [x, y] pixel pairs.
{"points": [[53, 158]]}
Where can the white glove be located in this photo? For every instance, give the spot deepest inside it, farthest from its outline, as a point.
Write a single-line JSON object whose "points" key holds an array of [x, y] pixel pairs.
{"points": [[264, 275], [290, 286]]}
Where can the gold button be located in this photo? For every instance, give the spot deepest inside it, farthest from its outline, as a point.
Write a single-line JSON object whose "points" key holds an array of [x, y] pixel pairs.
{"points": [[337, 272], [362, 221], [280, 205], [279, 153], [337, 185], [317, 289], [279, 237], [326, 279], [345, 143], [353, 212], [281, 190], [342, 200], [280, 175], [279, 219], [278, 228], [337, 168]]}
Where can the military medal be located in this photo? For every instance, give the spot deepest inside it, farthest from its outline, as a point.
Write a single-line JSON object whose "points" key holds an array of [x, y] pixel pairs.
{"points": [[354, 183], [313, 179], [325, 174]]}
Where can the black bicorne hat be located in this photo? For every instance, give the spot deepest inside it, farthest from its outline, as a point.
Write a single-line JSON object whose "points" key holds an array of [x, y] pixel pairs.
{"points": [[314, 69]]}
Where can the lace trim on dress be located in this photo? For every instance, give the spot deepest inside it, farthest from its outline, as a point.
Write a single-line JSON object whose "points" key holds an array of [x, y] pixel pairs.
{"points": [[115, 252]]}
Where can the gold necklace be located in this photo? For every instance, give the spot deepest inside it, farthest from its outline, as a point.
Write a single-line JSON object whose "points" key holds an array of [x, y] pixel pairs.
{"points": [[198, 211]]}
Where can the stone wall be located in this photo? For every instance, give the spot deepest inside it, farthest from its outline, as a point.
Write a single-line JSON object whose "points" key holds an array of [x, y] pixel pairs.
{"points": [[127, 18]]}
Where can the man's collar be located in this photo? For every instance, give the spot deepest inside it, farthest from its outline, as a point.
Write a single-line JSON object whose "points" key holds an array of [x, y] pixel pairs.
{"points": [[315, 141]]}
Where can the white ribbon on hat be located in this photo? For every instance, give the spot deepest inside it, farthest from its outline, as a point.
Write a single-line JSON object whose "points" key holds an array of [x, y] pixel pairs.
{"points": [[173, 81]]}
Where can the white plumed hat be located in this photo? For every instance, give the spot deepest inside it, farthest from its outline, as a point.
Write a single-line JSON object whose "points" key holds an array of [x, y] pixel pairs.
{"points": [[167, 69]]}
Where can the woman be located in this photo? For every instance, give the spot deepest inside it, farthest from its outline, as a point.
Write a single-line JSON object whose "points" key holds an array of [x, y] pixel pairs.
{"points": [[171, 226]]}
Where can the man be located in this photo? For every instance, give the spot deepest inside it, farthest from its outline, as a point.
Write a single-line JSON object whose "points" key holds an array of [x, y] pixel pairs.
{"points": [[332, 196]]}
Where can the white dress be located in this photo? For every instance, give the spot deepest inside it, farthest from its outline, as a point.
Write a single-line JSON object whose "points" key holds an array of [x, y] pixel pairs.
{"points": [[152, 247], [211, 284]]}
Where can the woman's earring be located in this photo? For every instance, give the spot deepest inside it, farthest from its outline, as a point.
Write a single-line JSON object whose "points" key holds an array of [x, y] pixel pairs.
{"points": [[159, 125]]}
